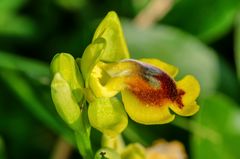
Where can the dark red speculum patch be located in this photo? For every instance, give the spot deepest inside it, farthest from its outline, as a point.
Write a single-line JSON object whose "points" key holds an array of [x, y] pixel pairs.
{"points": [[155, 87]]}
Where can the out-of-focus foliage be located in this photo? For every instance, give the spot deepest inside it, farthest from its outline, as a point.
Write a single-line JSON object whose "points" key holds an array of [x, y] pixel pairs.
{"points": [[221, 133], [207, 19], [237, 43], [200, 37], [2, 149], [12, 24]]}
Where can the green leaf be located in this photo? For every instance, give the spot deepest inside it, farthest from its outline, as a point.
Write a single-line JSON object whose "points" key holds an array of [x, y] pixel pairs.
{"points": [[2, 149], [74, 5], [26, 94], [10, 6], [34, 69], [11, 67], [13, 25], [139, 4], [237, 44], [228, 83], [221, 115], [175, 47], [207, 19]]}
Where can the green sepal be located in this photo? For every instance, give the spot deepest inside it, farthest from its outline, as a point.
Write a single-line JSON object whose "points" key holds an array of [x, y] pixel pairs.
{"points": [[110, 29], [108, 116], [108, 45], [66, 104], [67, 88], [66, 65], [91, 56]]}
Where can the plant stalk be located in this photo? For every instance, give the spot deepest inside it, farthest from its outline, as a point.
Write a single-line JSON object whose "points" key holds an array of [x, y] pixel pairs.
{"points": [[82, 135]]}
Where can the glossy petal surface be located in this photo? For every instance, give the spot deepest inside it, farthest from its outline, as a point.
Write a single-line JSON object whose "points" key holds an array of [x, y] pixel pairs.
{"points": [[144, 113], [102, 84], [191, 88], [151, 92]]}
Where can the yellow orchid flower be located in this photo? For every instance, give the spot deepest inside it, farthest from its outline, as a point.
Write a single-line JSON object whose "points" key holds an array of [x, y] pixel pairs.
{"points": [[147, 86], [148, 89], [106, 113], [152, 91]]}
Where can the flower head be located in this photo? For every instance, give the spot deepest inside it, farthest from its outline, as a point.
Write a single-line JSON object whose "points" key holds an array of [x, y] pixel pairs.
{"points": [[151, 90], [147, 86]]}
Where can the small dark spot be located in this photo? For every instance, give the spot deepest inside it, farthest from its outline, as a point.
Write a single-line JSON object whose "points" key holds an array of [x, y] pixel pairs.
{"points": [[103, 154]]}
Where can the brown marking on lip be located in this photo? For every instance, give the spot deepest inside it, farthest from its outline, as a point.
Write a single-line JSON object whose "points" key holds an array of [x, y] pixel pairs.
{"points": [[166, 93]]}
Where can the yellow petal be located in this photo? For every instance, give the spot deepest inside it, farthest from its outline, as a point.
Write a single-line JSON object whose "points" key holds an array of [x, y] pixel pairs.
{"points": [[186, 110], [191, 87], [144, 113], [169, 69], [102, 84], [96, 83]]}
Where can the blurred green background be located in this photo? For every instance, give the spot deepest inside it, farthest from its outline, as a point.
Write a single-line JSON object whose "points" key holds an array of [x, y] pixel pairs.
{"points": [[201, 37]]}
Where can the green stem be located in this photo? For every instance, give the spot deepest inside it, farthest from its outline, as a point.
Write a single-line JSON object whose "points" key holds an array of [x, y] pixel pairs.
{"points": [[84, 144], [82, 135]]}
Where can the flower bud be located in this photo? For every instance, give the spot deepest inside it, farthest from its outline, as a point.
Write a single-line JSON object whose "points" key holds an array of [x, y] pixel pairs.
{"points": [[66, 88], [108, 116], [115, 143], [66, 65], [107, 153], [64, 101], [134, 151]]}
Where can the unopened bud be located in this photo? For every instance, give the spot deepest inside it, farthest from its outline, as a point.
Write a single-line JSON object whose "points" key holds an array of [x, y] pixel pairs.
{"points": [[66, 88], [107, 153], [108, 116], [134, 151], [65, 103]]}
